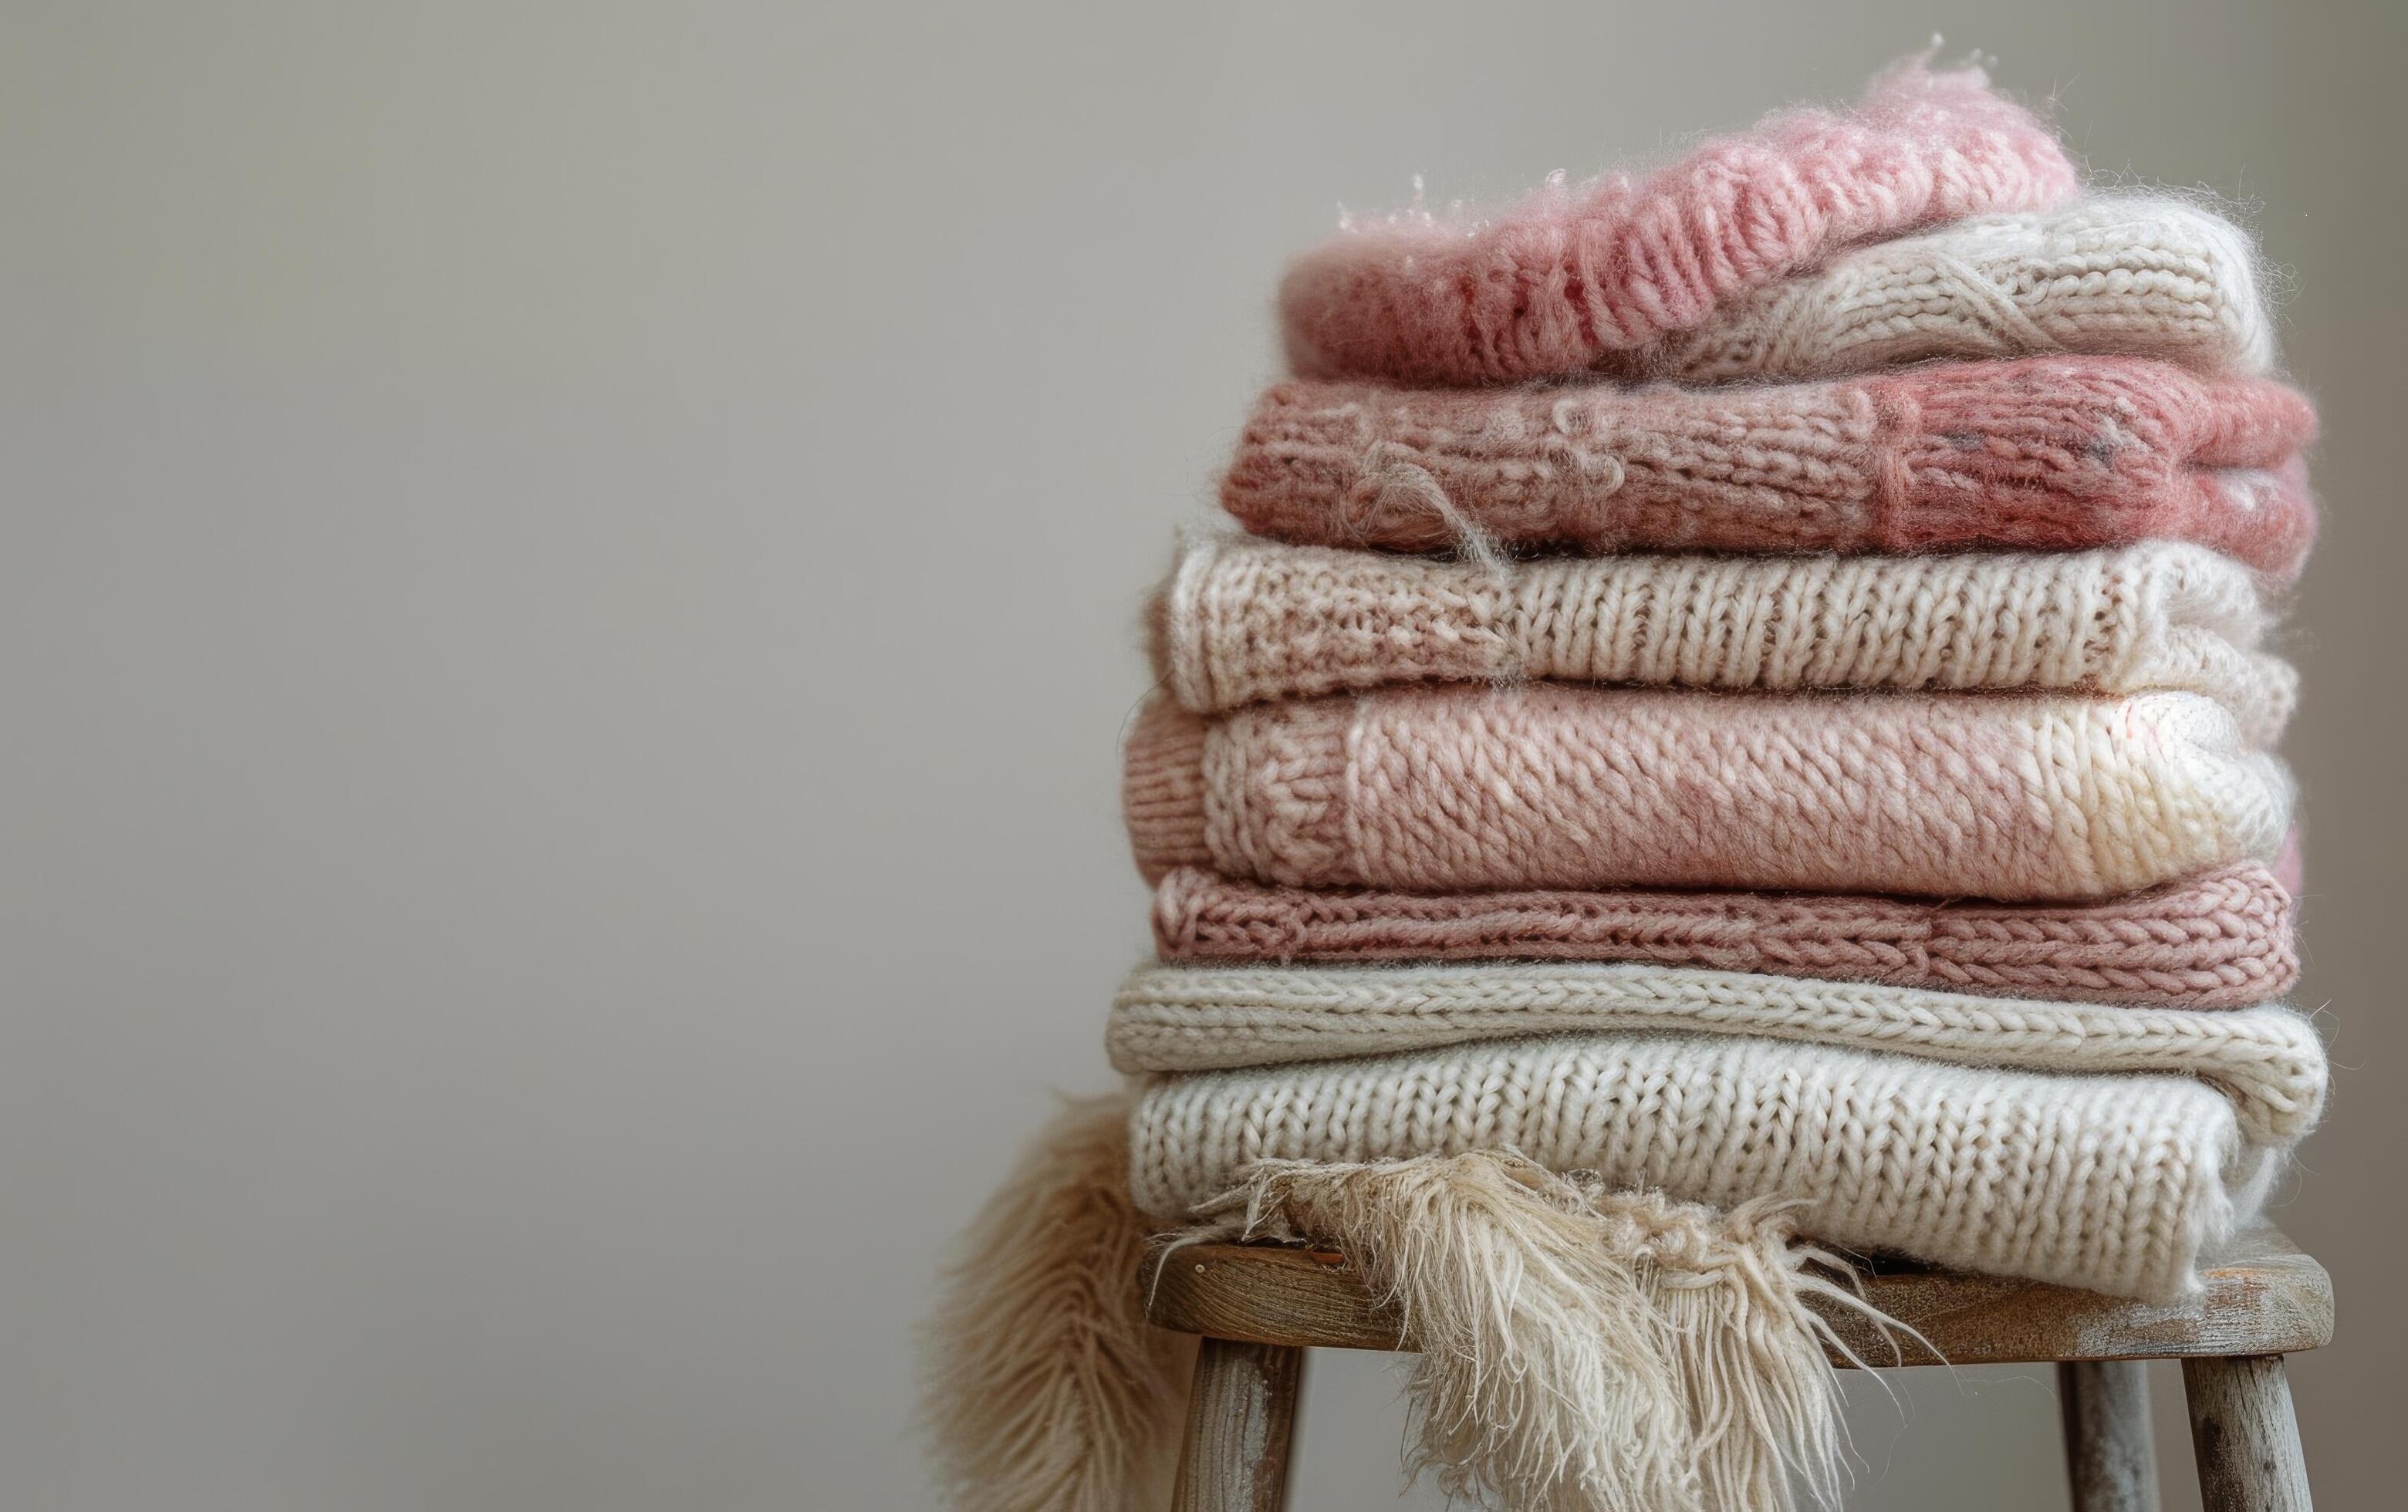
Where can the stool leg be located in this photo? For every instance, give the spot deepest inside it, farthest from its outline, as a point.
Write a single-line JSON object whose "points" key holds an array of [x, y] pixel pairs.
{"points": [[2105, 1408], [2247, 1441], [1240, 1417]]}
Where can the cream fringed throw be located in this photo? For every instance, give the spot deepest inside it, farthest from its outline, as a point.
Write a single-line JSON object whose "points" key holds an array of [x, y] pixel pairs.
{"points": [[1581, 1350], [1243, 621]]}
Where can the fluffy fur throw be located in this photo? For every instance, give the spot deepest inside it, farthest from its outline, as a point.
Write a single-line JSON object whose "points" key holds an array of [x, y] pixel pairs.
{"points": [[2218, 940], [2267, 1060], [1576, 278], [1243, 621], [2113, 1183], [1552, 786], [2040, 453], [1045, 1388], [2130, 277]]}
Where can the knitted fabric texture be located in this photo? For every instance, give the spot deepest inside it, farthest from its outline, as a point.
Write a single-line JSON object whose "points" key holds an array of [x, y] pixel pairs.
{"points": [[2139, 278], [2110, 1183], [2040, 453], [2219, 940], [1242, 621], [1547, 785], [1576, 276], [2267, 1060]]}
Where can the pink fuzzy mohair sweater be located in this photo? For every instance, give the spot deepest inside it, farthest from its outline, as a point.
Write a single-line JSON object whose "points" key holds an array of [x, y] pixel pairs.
{"points": [[1460, 788], [2221, 939], [1592, 275], [2044, 453]]}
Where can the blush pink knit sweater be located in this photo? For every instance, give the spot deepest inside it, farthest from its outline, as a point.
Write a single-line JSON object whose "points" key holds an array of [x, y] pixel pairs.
{"points": [[1576, 278], [2046, 453], [2218, 940], [1460, 788]]}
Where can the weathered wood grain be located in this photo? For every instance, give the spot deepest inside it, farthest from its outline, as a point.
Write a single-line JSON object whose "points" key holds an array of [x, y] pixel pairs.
{"points": [[2263, 1296], [2109, 1460], [1241, 1420], [2243, 1435]]}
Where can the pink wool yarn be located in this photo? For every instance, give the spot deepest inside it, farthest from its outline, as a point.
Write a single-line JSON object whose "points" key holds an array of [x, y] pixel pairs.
{"points": [[2218, 940], [2043, 453], [1574, 278], [1460, 788]]}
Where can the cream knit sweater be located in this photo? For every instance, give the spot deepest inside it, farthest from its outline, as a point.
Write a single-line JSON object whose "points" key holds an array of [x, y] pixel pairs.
{"points": [[2267, 1060], [2114, 1183], [2135, 277], [1242, 621]]}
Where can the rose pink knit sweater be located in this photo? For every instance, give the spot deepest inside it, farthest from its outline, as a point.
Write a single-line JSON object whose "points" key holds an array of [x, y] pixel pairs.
{"points": [[1573, 279], [2044, 453], [2218, 940], [1548, 786]]}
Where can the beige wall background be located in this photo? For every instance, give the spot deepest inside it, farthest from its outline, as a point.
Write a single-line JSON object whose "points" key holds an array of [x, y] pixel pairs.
{"points": [[566, 600]]}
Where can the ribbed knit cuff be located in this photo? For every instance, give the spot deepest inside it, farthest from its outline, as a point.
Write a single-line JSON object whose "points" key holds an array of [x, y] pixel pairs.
{"points": [[1162, 788]]}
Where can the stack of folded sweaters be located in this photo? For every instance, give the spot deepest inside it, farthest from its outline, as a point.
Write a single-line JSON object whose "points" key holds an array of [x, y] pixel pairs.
{"points": [[1742, 709]]}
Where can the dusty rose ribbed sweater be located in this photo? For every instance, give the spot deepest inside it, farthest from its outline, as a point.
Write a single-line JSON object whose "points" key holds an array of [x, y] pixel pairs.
{"points": [[1554, 786], [2222, 939], [1592, 275], [2044, 454]]}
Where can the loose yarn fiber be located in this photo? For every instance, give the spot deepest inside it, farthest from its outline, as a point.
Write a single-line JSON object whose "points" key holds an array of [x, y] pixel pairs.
{"points": [[1544, 784], [1245, 621], [2039, 453], [2267, 1058], [2114, 1183], [2221, 939], [1576, 278]]}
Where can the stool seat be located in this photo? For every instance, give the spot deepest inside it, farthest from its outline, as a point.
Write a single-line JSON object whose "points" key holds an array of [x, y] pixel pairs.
{"points": [[2263, 1296], [1259, 1307]]}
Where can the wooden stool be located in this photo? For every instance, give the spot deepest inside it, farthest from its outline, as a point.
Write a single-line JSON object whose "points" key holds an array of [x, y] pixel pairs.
{"points": [[1259, 1308]]}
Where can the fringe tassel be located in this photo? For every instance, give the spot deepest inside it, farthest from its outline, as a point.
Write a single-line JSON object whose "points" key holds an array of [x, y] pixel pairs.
{"points": [[1045, 1390], [1583, 1351]]}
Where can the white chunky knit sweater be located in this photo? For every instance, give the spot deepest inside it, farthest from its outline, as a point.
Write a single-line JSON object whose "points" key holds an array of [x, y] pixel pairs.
{"points": [[2134, 276], [2114, 1183], [2267, 1060], [1242, 621]]}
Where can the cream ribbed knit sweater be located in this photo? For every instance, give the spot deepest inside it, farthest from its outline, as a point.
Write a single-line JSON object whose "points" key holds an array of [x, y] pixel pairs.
{"points": [[1244, 620], [2135, 277], [2267, 1060], [2113, 1183]]}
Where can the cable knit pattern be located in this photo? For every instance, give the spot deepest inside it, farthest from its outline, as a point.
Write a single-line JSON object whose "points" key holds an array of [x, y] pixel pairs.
{"points": [[1242, 619], [1574, 275], [1555, 786], [2040, 453], [2133, 277], [2218, 940], [2111, 1183], [2267, 1058]]}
